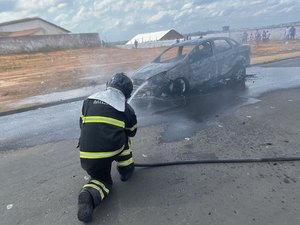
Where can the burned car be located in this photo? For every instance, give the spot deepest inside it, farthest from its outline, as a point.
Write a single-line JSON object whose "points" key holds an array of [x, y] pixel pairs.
{"points": [[188, 65]]}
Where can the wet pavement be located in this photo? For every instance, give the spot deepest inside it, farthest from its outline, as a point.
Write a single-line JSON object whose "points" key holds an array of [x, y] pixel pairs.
{"points": [[200, 110], [45, 180], [187, 115]]}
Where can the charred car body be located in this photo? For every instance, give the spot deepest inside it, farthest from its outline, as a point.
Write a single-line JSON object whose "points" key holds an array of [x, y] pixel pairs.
{"points": [[188, 65]]}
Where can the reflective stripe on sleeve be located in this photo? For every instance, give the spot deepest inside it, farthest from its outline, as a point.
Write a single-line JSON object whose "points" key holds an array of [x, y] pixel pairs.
{"points": [[100, 155], [103, 119], [97, 188], [125, 163], [101, 185], [131, 128]]}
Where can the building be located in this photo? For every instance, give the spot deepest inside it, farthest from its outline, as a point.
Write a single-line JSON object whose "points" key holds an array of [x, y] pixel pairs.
{"points": [[35, 34], [29, 27], [156, 36]]}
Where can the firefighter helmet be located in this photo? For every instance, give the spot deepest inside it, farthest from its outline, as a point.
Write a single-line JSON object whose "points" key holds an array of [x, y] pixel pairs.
{"points": [[121, 82]]}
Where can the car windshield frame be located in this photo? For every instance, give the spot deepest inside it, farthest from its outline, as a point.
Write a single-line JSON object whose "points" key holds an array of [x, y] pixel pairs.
{"points": [[178, 55]]}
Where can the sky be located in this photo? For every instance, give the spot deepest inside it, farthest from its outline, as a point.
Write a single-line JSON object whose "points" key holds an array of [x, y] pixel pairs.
{"points": [[119, 20]]}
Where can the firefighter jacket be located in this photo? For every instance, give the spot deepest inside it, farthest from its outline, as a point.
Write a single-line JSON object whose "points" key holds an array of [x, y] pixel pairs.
{"points": [[106, 122]]}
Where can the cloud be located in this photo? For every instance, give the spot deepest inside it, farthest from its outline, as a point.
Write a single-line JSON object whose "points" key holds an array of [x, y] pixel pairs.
{"points": [[257, 2], [6, 5], [9, 16], [148, 4], [35, 5], [157, 17], [62, 5], [123, 19], [187, 6], [61, 17]]}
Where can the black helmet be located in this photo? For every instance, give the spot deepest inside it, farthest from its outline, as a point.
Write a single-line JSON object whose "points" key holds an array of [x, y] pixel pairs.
{"points": [[121, 82]]}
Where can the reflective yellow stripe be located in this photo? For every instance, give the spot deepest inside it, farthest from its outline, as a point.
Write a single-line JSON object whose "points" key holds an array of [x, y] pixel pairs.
{"points": [[126, 152], [131, 128], [100, 155], [125, 163], [103, 119], [97, 188], [100, 184]]}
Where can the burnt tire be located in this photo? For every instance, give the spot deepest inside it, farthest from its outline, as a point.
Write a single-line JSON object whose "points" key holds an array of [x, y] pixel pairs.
{"points": [[238, 77], [239, 74]]}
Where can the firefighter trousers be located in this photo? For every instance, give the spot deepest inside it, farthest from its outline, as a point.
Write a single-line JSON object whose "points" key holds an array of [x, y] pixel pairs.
{"points": [[100, 183]]}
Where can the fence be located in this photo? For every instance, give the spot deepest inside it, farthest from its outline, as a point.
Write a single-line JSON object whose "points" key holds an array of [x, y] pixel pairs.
{"points": [[35, 43]]}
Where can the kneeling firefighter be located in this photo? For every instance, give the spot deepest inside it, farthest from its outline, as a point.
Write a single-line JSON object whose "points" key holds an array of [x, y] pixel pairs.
{"points": [[106, 122]]}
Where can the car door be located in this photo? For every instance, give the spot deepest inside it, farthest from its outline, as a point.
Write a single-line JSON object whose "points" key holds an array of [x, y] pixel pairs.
{"points": [[202, 63], [224, 54]]}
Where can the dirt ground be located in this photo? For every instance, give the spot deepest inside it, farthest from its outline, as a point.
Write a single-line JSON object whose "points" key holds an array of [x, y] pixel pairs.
{"points": [[25, 75]]}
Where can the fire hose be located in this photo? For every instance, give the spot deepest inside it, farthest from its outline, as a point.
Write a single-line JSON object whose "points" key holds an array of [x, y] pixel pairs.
{"points": [[215, 161]]}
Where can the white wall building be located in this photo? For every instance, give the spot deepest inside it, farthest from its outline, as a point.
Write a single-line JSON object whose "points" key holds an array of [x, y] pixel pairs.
{"points": [[30, 26], [155, 36]]}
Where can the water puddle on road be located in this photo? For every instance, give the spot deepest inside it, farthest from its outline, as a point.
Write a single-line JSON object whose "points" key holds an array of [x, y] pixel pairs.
{"points": [[184, 117]]}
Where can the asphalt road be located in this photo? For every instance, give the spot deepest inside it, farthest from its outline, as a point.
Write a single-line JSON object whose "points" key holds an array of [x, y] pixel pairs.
{"points": [[40, 183], [60, 122]]}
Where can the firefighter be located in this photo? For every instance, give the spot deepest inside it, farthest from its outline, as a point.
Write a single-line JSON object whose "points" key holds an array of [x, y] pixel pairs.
{"points": [[107, 122]]}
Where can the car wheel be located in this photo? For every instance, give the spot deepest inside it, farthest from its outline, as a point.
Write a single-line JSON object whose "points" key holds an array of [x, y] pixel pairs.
{"points": [[239, 73], [179, 87]]}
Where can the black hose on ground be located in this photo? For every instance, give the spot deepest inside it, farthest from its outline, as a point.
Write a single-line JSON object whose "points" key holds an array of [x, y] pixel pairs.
{"points": [[210, 161]]}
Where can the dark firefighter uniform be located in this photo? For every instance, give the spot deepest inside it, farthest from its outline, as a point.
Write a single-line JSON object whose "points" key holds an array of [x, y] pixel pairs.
{"points": [[107, 122]]}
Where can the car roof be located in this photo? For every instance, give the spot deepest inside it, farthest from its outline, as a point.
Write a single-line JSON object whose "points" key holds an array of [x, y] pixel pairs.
{"points": [[200, 40]]}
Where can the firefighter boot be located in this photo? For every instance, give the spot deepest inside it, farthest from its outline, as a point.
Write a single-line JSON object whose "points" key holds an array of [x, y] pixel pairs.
{"points": [[126, 172], [85, 206]]}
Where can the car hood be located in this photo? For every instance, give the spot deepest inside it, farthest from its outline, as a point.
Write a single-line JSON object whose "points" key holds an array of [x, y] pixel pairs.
{"points": [[151, 70]]}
